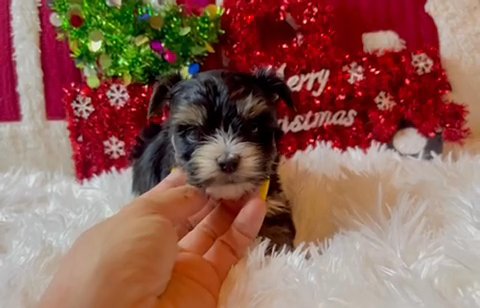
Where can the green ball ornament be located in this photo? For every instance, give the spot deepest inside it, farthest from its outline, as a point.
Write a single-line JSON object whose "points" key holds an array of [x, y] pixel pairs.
{"points": [[105, 61], [93, 82]]}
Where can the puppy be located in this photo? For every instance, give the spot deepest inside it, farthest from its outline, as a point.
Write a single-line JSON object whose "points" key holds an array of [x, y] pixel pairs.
{"points": [[222, 130]]}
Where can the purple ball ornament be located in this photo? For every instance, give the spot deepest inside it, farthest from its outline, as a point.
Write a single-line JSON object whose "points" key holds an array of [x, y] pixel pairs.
{"points": [[157, 46], [144, 17]]}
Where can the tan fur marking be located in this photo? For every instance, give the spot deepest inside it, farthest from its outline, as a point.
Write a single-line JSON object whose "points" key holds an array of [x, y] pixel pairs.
{"points": [[190, 115], [251, 106]]}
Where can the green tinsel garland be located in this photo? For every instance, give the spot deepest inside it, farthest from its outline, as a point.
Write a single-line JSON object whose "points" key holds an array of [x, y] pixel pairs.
{"points": [[133, 40]]}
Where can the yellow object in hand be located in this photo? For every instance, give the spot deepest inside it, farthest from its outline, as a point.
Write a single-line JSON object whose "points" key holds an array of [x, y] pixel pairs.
{"points": [[264, 189]]}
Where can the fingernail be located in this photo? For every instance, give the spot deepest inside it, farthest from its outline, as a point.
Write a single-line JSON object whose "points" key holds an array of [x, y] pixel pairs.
{"points": [[264, 189]]}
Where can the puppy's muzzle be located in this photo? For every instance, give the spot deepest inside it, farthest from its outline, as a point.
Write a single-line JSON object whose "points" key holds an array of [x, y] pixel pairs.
{"points": [[228, 162]]}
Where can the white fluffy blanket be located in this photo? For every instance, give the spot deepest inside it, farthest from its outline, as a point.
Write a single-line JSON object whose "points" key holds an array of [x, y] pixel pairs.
{"points": [[398, 232], [393, 232]]}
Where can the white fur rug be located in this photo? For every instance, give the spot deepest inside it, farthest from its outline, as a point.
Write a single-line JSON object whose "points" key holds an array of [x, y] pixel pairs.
{"points": [[400, 232]]}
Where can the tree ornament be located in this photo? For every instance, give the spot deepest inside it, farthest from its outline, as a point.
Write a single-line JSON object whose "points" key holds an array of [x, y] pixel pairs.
{"points": [[194, 69], [93, 81], [76, 21], [133, 36], [114, 3], [170, 56], [155, 4], [157, 47], [184, 31], [212, 10], [140, 40], [55, 20], [156, 22], [95, 40], [105, 61], [144, 17]]}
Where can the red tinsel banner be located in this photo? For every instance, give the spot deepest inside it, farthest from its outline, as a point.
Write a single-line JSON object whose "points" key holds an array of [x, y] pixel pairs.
{"points": [[349, 100], [104, 124], [350, 103]]}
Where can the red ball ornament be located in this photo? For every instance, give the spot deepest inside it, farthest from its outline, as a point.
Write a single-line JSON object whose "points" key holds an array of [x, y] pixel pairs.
{"points": [[76, 20]]}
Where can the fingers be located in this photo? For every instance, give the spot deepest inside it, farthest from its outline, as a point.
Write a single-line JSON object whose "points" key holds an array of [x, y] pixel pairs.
{"points": [[174, 179], [198, 217], [175, 204], [180, 204], [231, 246], [202, 237], [183, 228]]}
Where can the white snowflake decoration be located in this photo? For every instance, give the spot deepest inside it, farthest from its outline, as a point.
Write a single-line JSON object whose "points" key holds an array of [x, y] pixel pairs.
{"points": [[82, 106], [114, 147], [384, 101], [118, 95], [355, 71], [422, 63]]}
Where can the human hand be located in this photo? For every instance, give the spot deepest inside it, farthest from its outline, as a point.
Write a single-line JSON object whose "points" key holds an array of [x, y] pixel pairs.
{"points": [[148, 255]]}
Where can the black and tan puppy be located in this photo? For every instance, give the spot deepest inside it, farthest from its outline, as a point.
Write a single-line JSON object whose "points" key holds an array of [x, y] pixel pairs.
{"points": [[223, 131]]}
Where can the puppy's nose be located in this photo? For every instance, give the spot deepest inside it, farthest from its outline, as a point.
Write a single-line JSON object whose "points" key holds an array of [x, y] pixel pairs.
{"points": [[228, 163]]}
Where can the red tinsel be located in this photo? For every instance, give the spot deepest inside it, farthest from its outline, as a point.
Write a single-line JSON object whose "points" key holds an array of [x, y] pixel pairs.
{"points": [[104, 124], [361, 98], [411, 86]]}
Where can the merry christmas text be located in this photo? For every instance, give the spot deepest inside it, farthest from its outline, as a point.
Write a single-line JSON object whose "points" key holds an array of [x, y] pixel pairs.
{"points": [[296, 83], [305, 122]]}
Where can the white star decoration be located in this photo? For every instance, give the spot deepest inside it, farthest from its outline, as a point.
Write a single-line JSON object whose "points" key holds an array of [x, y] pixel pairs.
{"points": [[422, 63], [384, 101], [82, 106], [114, 147], [355, 71], [118, 95]]}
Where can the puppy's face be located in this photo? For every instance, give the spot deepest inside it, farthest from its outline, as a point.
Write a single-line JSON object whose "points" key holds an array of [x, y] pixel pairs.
{"points": [[224, 130]]}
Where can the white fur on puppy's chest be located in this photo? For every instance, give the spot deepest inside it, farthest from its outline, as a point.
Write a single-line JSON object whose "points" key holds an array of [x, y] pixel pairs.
{"points": [[229, 191]]}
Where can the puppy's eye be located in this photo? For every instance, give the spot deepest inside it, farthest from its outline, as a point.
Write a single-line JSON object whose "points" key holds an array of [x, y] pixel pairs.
{"points": [[255, 127], [191, 134]]}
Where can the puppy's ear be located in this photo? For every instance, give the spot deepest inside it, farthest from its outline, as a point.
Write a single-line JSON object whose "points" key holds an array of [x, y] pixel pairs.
{"points": [[273, 85], [161, 94]]}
